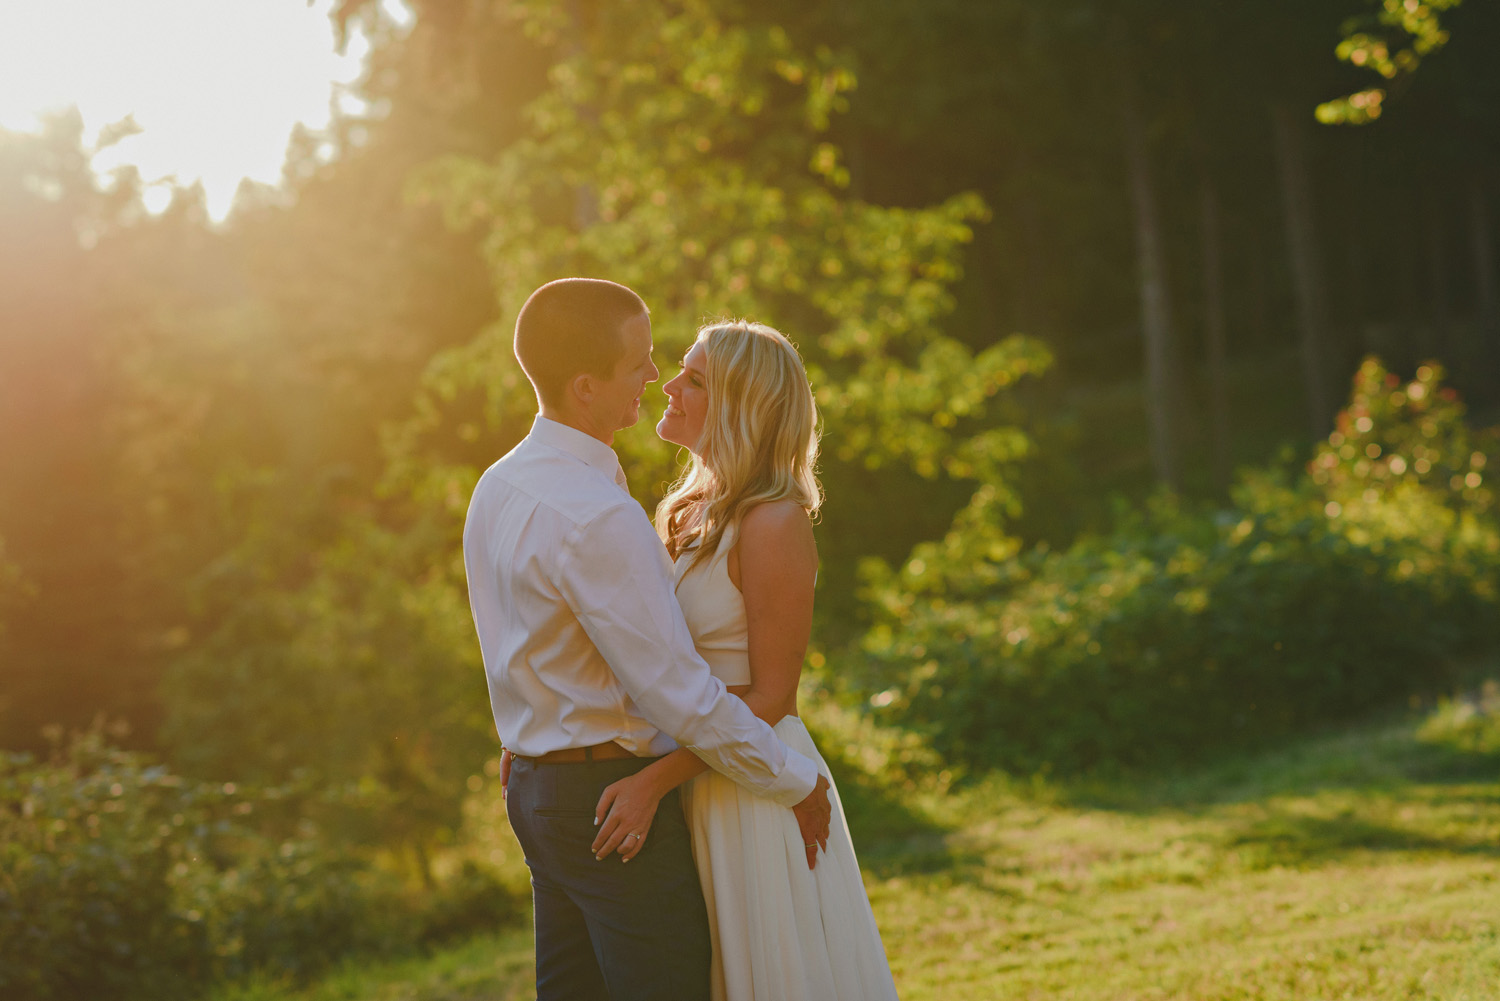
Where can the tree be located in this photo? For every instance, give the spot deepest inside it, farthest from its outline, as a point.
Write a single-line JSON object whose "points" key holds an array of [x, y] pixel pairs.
{"points": [[1307, 263], [1448, 112], [701, 142], [1214, 330], [686, 155], [1163, 394], [324, 638], [59, 507]]}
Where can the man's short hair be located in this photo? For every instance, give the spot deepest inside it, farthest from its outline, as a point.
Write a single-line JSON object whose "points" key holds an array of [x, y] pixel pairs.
{"points": [[571, 326]]}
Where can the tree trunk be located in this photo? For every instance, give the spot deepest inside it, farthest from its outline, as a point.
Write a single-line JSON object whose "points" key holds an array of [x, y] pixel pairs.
{"points": [[1214, 326], [1030, 295], [1156, 316], [1260, 287], [1369, 326], [1408, 254], [1307, 271], [1436, 343], [1487, 312]]}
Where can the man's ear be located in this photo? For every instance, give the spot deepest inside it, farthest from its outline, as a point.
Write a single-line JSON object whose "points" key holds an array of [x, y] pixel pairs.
{"points": [[582, 388]]}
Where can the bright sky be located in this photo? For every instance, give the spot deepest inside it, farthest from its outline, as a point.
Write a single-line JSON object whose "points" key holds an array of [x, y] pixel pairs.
{"points": [[217, 85]]}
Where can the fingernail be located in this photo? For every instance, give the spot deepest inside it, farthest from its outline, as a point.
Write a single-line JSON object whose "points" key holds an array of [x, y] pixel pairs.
{"points": [[624, 860], [596, 821]]}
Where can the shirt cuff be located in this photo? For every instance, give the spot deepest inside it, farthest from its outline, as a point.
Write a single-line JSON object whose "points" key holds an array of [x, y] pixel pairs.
{"points": [[796, 781]]}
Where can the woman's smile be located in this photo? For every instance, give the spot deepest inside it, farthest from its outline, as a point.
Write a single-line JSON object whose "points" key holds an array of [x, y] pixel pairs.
{"points": [[687, 401]]}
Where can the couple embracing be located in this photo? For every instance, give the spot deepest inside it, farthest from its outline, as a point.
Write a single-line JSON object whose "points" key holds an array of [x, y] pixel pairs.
{"points": [[683, 836]]}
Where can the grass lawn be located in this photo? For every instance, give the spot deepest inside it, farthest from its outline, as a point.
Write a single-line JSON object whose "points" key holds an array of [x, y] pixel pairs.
{"points": [[1359, 864]]}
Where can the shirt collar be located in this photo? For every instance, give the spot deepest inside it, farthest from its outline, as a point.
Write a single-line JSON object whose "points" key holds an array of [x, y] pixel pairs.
{"points": [[582, 446]]}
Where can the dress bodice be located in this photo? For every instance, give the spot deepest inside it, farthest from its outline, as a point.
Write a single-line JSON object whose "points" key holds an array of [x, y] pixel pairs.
{"points": [[715, 612]]}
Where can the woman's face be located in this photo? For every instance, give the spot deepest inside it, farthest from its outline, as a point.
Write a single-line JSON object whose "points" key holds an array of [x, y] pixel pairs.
{"points": [[687, 401]]}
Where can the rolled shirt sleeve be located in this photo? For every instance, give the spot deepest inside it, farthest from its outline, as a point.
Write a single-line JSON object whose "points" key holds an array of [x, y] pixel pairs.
{"points": [[617, 579]]}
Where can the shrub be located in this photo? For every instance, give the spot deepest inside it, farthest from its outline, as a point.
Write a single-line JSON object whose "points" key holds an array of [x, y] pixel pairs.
{"points": [[472, 900], [1469, 724], [1315, 597], [88, 844], [121, 880]]}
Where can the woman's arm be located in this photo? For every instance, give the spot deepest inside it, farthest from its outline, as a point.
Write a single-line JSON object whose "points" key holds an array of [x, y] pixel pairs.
{"points": [[774, 563], [629, 806]]}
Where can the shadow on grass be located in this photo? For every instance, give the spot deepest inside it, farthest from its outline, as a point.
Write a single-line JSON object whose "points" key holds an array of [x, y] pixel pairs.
{"points": [[1382, 755], [892, 836], [1298, 841], [916, 856]]}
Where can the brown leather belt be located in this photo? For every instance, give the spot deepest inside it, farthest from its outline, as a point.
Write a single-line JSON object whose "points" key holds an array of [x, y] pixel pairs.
{"points": [[607, 751]]}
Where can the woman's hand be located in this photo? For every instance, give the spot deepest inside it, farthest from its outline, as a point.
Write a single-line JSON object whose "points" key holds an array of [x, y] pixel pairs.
{"points": [[624, 816]]}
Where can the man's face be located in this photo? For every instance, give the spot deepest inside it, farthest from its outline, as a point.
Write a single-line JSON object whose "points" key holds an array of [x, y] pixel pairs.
{"points": [[617, 400]]}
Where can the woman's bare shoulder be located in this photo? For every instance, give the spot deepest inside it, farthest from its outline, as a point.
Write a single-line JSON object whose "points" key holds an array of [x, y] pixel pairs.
{"points": [[778, 524], [775, 517]]}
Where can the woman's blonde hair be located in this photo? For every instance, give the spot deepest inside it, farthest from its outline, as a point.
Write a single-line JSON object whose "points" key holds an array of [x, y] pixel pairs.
{"points": [[759, 442]]}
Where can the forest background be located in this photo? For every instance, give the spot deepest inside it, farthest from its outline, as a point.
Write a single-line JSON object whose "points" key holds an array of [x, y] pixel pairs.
{"points": [[1087, 291]]}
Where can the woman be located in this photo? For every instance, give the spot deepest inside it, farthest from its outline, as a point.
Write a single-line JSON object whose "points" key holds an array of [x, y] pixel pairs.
{"points": [[737, 524]]}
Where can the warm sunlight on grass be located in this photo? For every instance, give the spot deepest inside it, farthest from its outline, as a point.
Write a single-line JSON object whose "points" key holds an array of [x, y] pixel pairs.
{"points": [[493, 967], [1356, 865]]}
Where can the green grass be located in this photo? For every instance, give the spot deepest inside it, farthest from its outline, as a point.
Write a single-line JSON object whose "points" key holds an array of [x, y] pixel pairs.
{"points": [[494, 967], [1360, 864]]}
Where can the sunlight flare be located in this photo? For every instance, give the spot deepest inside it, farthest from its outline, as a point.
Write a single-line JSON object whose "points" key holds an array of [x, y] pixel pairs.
{"points": [[215, 87]]}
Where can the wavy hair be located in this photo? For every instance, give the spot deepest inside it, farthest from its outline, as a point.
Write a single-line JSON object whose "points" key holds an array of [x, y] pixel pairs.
{"points": [[759, 442]]}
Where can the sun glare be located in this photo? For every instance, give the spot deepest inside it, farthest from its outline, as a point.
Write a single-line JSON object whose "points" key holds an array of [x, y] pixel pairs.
{"points": [[215, 85]]}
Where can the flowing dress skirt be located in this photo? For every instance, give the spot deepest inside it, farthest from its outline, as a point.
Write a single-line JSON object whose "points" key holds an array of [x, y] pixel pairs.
{"points": [[781, 932]]}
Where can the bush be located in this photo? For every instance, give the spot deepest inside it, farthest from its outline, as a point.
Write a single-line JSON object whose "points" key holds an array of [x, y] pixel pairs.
{"points": [[472, 900], [1469, 724], [121, 880], [1316, 597], [87, 850], [366, 676]]}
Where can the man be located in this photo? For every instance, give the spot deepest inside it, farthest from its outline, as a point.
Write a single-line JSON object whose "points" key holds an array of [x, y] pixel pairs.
{"points": [[591, 668]]}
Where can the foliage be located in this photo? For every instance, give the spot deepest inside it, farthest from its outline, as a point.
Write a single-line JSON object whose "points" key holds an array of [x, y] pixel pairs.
{"points": [[172, 389], [718, 193], [1312, 599], [86, 904], [367, 674], [123, 880], [685, 152], [59, 511], [217, 480], [1393, 42], [116, 882], [1468, 724], [1397, 438]]}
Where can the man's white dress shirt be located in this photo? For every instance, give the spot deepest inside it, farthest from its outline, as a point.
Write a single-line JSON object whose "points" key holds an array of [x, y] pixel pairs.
{"points": [[582, 636]]}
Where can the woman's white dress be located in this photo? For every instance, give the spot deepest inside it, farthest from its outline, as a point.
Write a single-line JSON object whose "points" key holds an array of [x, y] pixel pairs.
{"points": [[780, 932]]}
